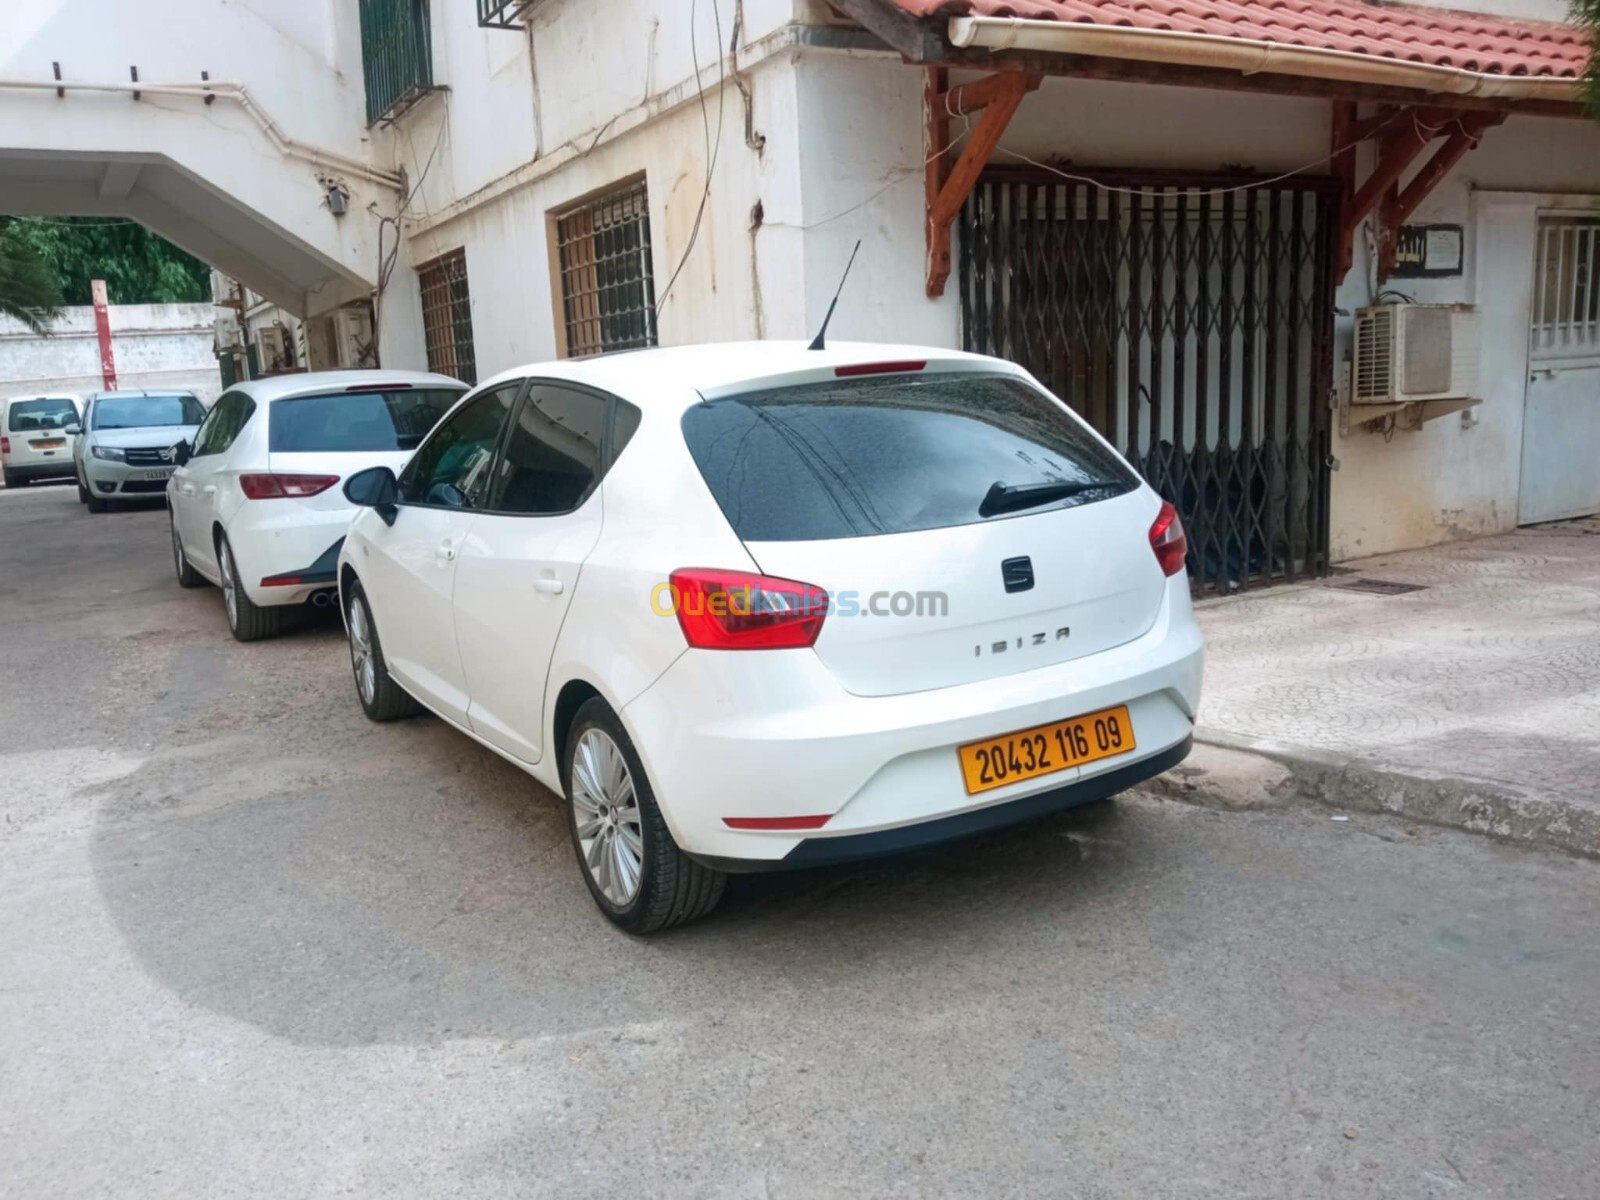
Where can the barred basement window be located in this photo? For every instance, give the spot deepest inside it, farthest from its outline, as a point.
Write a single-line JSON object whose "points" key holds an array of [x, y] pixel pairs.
{"points": [[608, 293], [447, 317]]}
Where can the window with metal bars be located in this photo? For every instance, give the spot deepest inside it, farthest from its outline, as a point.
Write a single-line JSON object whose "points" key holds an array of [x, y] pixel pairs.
{"points": [[1566, 297], [447, 317], [396, 55], [608, 291]]}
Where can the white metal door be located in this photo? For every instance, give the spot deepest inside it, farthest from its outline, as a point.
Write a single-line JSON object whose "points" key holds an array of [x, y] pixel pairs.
{"points": [[1561, 413]]}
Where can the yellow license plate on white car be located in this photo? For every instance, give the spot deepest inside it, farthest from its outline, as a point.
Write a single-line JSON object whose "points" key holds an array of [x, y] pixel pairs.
{"points": [[1046, 749]]}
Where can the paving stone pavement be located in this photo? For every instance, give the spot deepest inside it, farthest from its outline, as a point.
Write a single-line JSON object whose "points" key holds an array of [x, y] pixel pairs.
{"points": [[1488, 671]]}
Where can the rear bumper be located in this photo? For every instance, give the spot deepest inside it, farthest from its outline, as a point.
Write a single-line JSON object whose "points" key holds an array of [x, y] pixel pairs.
{"points": [[772, 736], [817, 852], [53, 469], [286, 550]]}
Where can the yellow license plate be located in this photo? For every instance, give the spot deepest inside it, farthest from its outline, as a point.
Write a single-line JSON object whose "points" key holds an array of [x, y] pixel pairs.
{"points": [[51, 444], [1045, 749]]}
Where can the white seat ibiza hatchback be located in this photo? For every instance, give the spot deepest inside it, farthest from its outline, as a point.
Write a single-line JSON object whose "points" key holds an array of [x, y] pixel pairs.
{"points": [[254, 500], [759, 606]]}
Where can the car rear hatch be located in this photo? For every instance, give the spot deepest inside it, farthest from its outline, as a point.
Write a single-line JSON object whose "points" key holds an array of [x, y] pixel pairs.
{"points": [[36, 430], [316, 442], [906, 497]]}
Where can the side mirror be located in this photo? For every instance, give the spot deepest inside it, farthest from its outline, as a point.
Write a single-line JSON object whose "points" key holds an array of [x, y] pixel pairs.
{"points": [[182, 453], [374, 488], [74, 429]]}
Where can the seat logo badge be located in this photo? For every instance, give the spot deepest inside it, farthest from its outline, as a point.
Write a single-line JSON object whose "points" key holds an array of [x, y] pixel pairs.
{"points": [[1037, 639], [1017, 573]]}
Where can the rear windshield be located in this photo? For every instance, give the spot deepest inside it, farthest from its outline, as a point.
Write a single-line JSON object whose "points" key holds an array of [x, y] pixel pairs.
{"points": [[358, 421], [143, 412], [890, 454], [49, 413]]}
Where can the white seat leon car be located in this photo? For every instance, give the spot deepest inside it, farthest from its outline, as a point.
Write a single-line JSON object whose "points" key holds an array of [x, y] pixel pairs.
{"points": [[758, 606], [255, 503]]}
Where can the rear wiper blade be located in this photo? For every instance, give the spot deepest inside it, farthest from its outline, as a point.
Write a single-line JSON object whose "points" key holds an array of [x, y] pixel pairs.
{"points": [[1007, 497]]}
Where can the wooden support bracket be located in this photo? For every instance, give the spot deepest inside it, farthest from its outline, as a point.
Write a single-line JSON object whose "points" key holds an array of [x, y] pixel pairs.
{"points": [[949, 184], [1402, 133]]}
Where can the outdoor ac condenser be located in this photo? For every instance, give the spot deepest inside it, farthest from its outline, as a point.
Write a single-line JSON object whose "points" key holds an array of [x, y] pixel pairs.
{"points": [[1411, 352]]}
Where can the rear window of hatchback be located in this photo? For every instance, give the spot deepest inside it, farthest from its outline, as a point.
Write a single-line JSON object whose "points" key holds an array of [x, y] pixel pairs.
{"points": [[357, 422], [891, 454]]}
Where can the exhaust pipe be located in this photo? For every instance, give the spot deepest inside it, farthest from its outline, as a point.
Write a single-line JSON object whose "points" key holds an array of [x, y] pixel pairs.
{"points": [[324, 598]]}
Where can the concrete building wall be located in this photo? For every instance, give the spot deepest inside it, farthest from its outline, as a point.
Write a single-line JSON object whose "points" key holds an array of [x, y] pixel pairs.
{"points": [[156, 346]]}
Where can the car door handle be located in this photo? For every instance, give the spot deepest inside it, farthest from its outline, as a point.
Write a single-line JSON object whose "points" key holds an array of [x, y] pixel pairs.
{"points": [[548, 583], [446, 551]]}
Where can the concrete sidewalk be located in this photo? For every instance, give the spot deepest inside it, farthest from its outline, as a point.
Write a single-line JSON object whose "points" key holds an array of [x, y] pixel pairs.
{"points": [[1458, 685]]}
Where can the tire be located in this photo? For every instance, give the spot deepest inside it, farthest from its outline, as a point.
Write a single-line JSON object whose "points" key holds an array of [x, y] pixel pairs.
{"points": [[382, 699], [13, 480], [83, 493], [97, 505], [668, 887], [188, 577], [247, 621]]}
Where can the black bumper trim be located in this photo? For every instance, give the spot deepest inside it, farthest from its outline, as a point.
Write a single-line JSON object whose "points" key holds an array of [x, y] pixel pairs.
{"points": [[324, 570], [820, 851]]}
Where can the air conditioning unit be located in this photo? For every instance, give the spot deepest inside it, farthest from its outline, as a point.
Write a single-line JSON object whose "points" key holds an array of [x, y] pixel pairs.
{"points": [[352, 338], [1406, 353], [272, 346]]}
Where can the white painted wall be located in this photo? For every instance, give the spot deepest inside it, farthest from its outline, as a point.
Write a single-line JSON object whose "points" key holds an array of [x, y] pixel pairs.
{"points": [[207, 177], [156, 346]]}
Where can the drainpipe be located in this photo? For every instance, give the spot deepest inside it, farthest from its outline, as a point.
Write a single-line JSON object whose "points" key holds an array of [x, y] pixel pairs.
{"points": [[1248, 57]]}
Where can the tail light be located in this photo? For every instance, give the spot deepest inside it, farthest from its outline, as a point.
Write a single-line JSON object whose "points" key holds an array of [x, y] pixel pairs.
{"points": [[261, 486], [5, 445], [735, 610], [1168, 541]]}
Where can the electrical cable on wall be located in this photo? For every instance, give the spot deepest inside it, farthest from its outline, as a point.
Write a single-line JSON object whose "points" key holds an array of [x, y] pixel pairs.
{"points": [[713, 149]]}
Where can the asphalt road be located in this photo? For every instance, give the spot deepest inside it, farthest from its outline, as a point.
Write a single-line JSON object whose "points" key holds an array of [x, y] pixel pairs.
{"points": [[251, 944]]}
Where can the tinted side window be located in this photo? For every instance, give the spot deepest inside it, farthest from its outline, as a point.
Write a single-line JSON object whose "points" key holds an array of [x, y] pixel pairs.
{"points": [[223, 424], [552, 458], [890, 454], [451, 470]]}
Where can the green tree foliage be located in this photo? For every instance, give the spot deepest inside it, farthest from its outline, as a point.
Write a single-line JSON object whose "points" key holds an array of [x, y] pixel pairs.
{"points": [[139, 267], [1586, 14], [28, 288]]}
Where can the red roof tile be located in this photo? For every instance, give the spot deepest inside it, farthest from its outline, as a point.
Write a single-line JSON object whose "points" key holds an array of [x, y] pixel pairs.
{"points": [[1435, 36]]}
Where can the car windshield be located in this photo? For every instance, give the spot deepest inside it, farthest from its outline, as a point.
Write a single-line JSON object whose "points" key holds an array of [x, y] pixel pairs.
{"points": [[895, 453], [357, 422], [143, 412], [52, 412]]}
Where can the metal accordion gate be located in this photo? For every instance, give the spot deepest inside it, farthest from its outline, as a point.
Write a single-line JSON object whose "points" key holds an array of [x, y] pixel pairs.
{"points": [[1190, 320]]}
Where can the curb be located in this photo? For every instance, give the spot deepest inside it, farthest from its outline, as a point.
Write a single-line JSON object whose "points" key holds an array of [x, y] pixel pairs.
{"points": [[1273, 774]]}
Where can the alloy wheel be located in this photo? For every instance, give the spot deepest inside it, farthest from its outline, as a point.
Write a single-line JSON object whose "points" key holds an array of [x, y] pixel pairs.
{"points": [[606, 813], [229, 591], [361, 651]]}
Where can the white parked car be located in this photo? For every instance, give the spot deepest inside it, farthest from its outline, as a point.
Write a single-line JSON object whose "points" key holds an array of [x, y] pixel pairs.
{"points": [[255, 503], [34, 442], [126, 447], [758, 606]]}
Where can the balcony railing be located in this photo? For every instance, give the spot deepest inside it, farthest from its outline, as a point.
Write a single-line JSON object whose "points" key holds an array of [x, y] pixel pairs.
{"points": [[503, 14], [396, 55]]}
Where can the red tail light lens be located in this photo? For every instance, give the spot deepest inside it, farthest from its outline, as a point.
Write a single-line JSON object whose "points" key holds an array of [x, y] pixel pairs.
{"points": [[5, 445], [282, 487], [1168, 541], [735, 610], [879, 368]]}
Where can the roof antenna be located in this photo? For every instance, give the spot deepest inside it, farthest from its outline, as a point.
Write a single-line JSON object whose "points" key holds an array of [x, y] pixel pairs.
{"points": [[817, 342]]}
